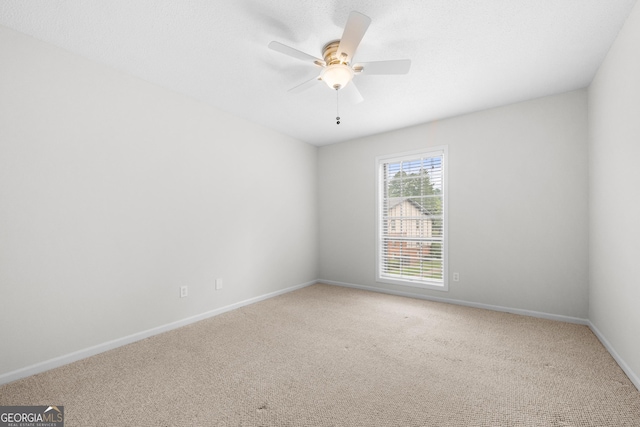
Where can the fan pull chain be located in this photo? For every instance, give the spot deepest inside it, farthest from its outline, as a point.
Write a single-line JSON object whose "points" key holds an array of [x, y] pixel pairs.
{"points": [[337, 110]]}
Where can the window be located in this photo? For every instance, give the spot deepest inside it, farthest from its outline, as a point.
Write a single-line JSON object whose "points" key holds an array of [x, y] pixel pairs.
{"points": [[412, 219]]}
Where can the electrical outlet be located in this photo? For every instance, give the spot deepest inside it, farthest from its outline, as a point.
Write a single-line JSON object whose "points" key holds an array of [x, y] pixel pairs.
{"points": [[456, 277], [218, 284], [183, 291]]}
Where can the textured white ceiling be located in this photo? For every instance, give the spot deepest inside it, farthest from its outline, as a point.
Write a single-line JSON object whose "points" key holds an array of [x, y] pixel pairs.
{"points": [[466, 55]]}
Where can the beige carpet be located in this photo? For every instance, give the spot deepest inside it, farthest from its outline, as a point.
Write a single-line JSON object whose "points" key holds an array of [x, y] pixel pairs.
{"points": [[331, 356]]}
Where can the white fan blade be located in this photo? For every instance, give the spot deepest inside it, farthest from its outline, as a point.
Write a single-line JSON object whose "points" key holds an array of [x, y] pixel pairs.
{"points": [[351, 93], [304, 86], [357, 25], [399, 66], [279, 47]]}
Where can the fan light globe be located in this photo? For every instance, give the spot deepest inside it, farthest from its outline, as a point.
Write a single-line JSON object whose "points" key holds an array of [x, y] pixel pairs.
{"points": [[337, 76]]}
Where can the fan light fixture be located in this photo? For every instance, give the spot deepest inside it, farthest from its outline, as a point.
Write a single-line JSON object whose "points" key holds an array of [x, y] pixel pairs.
{"points": [[337, 76], [337, 71]]}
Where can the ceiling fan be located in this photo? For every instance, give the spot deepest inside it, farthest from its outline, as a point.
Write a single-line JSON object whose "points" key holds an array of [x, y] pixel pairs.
{"points": [[338, 69]]}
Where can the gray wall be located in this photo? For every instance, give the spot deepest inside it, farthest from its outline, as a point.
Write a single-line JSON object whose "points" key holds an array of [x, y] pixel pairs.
{"points": [[614, 196], [115, 192], [518, 224]]}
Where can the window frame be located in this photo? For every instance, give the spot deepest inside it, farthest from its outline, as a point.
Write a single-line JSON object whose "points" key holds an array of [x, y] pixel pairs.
{"points": [[441, 150]]}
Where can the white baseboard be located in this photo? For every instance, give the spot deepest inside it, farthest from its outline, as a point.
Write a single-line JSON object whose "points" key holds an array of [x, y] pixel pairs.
{"points": [[100, 348], [531, 313], [635, 379], [110, 345]]}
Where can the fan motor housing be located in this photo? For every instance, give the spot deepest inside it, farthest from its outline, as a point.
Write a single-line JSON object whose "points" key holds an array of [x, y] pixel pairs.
{"points": [[330, 53]]}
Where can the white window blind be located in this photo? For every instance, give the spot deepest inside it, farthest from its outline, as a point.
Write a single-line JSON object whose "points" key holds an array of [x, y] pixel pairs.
{"points": [[412, 219]]}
